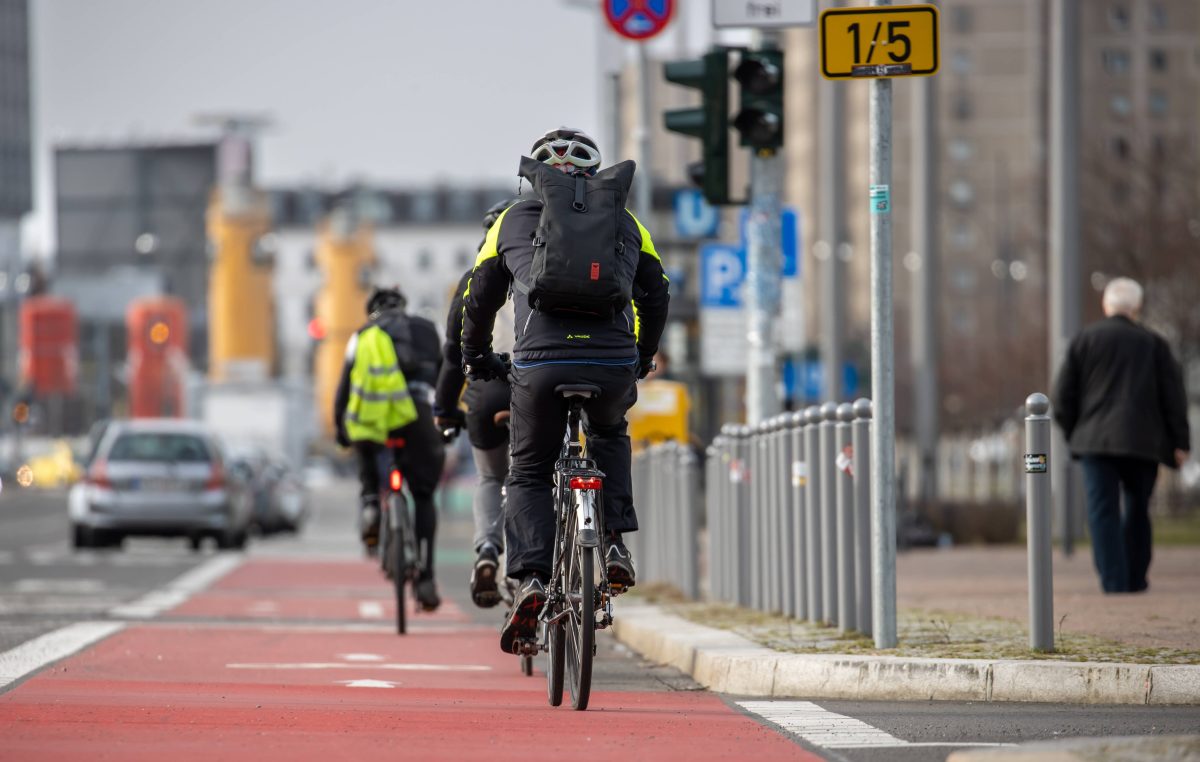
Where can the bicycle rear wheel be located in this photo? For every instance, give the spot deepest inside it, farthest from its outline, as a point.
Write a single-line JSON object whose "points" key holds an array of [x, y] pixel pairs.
{"points": [[581, 624], [399, 562], [555, 638]]}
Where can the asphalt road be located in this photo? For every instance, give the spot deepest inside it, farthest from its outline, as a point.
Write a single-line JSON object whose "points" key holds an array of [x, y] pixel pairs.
{"points": [[44, 586]]}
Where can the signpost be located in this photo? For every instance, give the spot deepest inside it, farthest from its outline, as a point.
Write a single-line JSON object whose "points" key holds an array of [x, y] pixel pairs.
{"points": [[764, 13], [879, 43]]}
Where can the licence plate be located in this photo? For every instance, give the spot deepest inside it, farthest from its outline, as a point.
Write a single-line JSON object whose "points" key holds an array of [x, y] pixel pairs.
{"points": [[160, 485]]}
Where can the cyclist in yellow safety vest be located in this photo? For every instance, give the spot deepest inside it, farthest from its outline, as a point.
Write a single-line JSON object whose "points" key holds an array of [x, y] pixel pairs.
{"points": [[383, 406]]}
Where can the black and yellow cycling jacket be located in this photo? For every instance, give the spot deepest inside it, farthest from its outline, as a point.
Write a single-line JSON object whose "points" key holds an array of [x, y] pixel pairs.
{"points": [[542, 338]]}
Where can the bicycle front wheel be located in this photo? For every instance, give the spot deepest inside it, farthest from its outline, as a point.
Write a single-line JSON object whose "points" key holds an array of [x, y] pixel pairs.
{"points": [[399, 568], [555, 638], [581, 625]]}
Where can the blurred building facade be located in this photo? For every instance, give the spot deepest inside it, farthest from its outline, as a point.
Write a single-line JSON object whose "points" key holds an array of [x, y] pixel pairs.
{"points": [[1139, 69], [16, 181]]}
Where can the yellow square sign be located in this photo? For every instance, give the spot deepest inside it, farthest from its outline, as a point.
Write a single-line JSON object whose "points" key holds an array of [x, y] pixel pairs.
{"points": [[880, 41]]}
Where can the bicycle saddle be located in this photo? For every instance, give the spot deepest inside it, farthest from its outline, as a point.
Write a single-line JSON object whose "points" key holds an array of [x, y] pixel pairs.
{"points": [[587, 391]]}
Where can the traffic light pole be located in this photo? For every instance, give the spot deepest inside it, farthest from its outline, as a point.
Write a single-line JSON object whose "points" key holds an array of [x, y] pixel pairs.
{"points": [[764, 264], [883, 386]]}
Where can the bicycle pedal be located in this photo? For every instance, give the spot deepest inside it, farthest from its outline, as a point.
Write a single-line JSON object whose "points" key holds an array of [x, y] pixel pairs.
{"points": [[526, 647]]}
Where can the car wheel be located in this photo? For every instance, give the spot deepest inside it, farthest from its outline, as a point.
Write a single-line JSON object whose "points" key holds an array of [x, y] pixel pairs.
{"points": [[194, 542], [81, 537], [232, 540]]}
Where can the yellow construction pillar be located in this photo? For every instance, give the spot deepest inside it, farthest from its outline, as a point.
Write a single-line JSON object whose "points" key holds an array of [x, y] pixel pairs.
{"points": [[346, 257], [241, 308]]}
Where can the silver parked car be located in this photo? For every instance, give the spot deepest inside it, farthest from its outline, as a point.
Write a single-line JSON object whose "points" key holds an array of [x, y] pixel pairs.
{"points": [[159, 477]]}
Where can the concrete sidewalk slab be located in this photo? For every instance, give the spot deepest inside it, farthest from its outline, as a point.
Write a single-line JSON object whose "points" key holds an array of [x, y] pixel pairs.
{"points": [[1137, 749], [729, 663]]}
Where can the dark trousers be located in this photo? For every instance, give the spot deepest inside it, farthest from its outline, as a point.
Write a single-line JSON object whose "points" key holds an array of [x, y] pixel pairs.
{"points": [[539, 420], [483, 400], [1120, 541], [420, 461]]}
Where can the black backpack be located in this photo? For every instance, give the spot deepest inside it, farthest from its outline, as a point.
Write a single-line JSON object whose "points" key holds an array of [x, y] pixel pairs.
{"points": [[579, 264]]}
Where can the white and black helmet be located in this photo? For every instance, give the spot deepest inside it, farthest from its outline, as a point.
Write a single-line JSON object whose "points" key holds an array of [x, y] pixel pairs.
{"points": [[567, 146]]}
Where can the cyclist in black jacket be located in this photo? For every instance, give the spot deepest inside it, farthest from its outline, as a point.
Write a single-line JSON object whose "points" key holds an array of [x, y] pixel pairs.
{"points": [[551, 350], [485, 401]]}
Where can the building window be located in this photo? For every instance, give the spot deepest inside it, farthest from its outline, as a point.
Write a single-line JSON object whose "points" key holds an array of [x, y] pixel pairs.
{"points": [[1119, 146], [1158, 60], [1120, 105], [1116, 61], [961, 193], [962, 106], [963, 19], [962, 236], [1159, 147], [424, 260], [1158, 16], [961, 61], [1158, 103], [960, 149], [1118, 17]]}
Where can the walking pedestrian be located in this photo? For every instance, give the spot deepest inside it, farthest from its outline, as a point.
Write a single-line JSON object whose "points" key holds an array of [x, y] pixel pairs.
{"points": [[1120, 400]]}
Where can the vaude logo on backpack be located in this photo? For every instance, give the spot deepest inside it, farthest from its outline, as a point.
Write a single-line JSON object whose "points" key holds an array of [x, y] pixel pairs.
{"points": [[579, 263]]}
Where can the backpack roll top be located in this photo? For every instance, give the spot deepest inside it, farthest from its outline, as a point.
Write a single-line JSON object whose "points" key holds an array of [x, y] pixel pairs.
{"points": [[579, 266]]}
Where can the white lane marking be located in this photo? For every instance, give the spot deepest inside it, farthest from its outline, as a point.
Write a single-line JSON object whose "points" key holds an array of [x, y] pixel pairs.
{"points": [[360, 657], [343, 665], [368, 683], [58, 586], [263, 607], [176, 592], [370, 609], [830, 730], [52, 646]]}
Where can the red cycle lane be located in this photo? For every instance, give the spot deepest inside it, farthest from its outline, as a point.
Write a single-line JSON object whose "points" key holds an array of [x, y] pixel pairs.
{"points": [[211, 681]]}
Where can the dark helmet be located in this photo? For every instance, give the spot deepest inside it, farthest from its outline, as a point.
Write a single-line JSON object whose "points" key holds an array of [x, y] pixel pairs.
{"points": [[494, 211], [385, 299], [567, 145]]}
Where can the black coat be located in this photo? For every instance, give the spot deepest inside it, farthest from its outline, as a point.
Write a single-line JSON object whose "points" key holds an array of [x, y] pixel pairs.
{"points": [[1120, 392]]}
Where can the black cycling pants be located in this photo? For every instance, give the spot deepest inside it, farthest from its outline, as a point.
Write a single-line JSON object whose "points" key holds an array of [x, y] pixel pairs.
{"points": [[420, 461], [483, 400], [539, 419]]}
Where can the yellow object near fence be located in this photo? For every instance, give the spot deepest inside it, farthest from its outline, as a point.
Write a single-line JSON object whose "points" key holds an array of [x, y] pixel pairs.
{"points": [[660, 415]]}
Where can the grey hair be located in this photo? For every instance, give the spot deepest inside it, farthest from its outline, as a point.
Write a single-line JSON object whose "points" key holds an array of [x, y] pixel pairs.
{"points": [[1122, 296]]}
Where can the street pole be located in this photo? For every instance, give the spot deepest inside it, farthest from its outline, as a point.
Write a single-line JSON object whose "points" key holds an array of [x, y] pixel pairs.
{"points": [[644, 192], [883, 391], [1064, 233], [831, 205], [764, 262], [924, 285]]}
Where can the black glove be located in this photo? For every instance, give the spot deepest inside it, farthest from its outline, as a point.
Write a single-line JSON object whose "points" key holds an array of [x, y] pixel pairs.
{"points": [[486, 368], [343, 439], [453, 418], [646, 366]]}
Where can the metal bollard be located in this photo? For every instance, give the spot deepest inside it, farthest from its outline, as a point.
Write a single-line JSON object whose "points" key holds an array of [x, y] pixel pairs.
{"points": [[726, 510], [688, 476], [829, 549], [771, 589], [764, 513], [1038, 522], [710, 516], [798, 482], [847, 608], [743, 522], [754, 477], [813, 516], [862, 510], [786, 550]]}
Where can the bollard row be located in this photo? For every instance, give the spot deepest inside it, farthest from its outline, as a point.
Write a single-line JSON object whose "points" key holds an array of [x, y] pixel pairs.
{"points": [[666, 488], [787, 507]]}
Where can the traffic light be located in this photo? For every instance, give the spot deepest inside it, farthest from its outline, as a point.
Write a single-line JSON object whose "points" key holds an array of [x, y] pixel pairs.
{"points": [[709, 121], [760, 116]]}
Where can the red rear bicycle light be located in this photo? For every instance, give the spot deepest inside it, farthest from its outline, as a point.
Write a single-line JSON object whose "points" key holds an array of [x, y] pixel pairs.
{"points": [[396, 480], [585, 482]]}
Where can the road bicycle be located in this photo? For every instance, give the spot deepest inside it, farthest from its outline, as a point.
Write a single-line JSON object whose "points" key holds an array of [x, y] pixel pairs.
{"points": [[398, 555], [578, 596]]}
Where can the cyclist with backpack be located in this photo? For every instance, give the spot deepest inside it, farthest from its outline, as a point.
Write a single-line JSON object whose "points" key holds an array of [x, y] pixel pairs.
{"points": [[487, 404], [576, 262], [383, 401]]}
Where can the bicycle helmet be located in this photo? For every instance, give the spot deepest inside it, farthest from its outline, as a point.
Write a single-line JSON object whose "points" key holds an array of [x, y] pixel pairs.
{"points": [[567, 146], [385, 299]]}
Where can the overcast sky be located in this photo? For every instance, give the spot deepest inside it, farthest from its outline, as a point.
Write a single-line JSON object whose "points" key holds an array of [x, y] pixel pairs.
{"points": [[394, 91]]}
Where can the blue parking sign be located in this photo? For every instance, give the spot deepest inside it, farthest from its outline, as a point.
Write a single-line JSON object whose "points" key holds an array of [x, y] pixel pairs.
{"points": [[695, 217], [722, 273]]}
